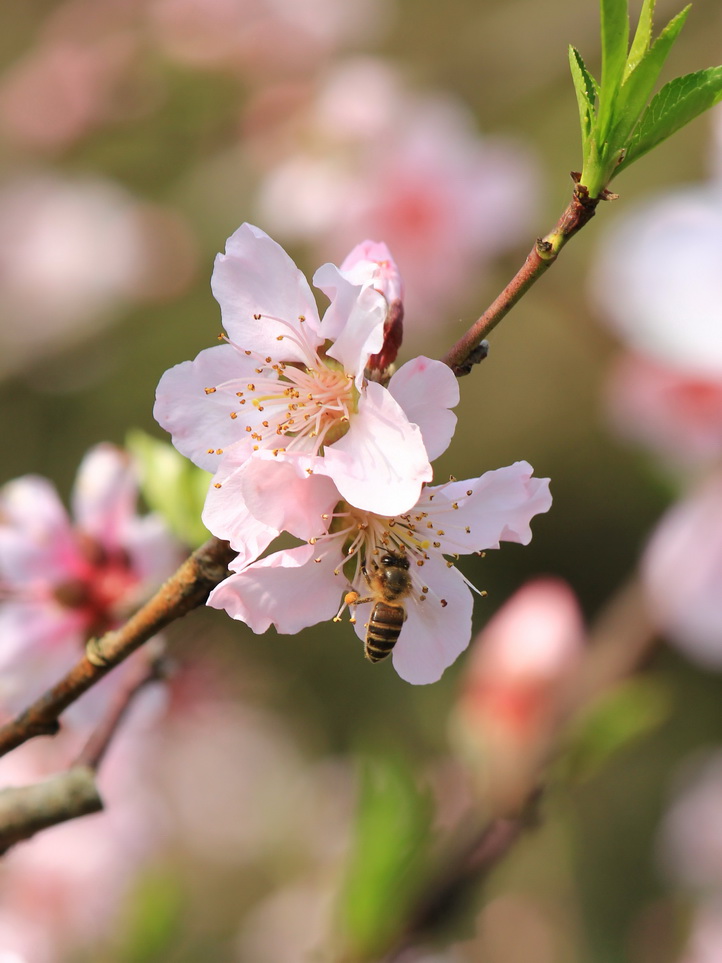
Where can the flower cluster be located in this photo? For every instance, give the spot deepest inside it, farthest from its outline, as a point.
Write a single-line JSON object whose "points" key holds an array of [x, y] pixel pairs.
{"points": [[309, 430]]}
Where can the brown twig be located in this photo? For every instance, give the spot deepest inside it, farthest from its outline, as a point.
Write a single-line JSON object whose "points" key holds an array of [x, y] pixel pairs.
{"points": [[25, 810], [188, 588], [580, 211]]}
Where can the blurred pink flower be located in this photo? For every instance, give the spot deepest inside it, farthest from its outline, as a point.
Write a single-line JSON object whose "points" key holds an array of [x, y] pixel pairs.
{"points": [[657, 280], [691, 832], [380, 161], [62, 89], [62, 581], [299, 587], [260, 37], [676, 415], [63, 890], [682, 572], [377, 442], [516, 684], [71, 252], [704, 943]]}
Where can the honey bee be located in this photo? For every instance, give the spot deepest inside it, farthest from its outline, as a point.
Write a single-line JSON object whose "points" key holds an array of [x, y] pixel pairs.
{"points": [[390, 584]]}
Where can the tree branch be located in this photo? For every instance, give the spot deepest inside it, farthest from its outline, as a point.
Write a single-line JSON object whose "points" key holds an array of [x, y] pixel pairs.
{"points": [[581, 209], [188, 588]]}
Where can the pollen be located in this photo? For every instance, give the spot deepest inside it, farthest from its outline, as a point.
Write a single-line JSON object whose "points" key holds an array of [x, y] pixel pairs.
{"points": [[217, 485], [219, 451], [470, 492], [455, 505], [210, 391]]}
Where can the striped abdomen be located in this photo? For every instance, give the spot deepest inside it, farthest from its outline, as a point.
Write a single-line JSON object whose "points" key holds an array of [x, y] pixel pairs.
{"points": [[383, 631]]}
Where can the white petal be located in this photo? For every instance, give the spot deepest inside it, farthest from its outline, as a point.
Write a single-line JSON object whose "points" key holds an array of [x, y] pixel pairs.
{"points": [[380, 463], [362, 335], [201, 423], [256, 276], [341, 293], [426, 389], [288, 590]]}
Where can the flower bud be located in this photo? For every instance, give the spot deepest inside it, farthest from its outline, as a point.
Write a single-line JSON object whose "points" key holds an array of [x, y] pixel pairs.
{"points": [[515, 688]]}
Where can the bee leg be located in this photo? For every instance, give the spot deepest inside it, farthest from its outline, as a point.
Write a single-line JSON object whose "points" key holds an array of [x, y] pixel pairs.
{"points": [[349, 599]]}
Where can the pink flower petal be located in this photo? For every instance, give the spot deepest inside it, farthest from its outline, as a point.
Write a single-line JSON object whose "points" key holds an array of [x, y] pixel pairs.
{"points": [[226, 514], [682, 572], [36, 539], [426, 390], [201, 423], [105, 495], [288, 590], [285, 493], [256, 276], [479, 513], [380, 464]]}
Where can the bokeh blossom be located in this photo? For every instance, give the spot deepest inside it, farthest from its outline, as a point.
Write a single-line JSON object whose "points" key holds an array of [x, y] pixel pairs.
{"points": [[73, 252], [298, 587], [64, 580], [682, 572], [520, 668], [288, 382], [63, 891], [674, 414], [256, 38], [369, 158], [657, 284]]}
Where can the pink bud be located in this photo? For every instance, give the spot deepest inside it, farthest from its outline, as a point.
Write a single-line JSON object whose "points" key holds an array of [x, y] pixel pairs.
{"points": [[516, 684]]}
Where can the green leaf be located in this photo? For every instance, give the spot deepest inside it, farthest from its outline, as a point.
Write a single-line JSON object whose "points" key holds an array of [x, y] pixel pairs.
{"points": [[586, 90], [389, 857], [639, 84], [615, 39], [642, 37], [676, 104], [629, 712], [171, 485]]}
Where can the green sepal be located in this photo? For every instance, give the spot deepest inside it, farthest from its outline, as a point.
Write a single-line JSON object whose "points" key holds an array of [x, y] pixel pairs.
{"points": [[171, 485], [676, 104]]}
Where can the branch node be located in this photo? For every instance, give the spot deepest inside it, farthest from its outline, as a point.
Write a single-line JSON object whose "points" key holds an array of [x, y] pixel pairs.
{"points": [[94, 654], [475, 356]]}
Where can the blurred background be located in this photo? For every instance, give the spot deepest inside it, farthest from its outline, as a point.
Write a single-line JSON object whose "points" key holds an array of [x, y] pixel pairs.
{"points": [[136, 135]]}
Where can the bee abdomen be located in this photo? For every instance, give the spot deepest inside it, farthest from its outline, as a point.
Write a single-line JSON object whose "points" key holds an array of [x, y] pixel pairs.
{"points": [[383, 631]]}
